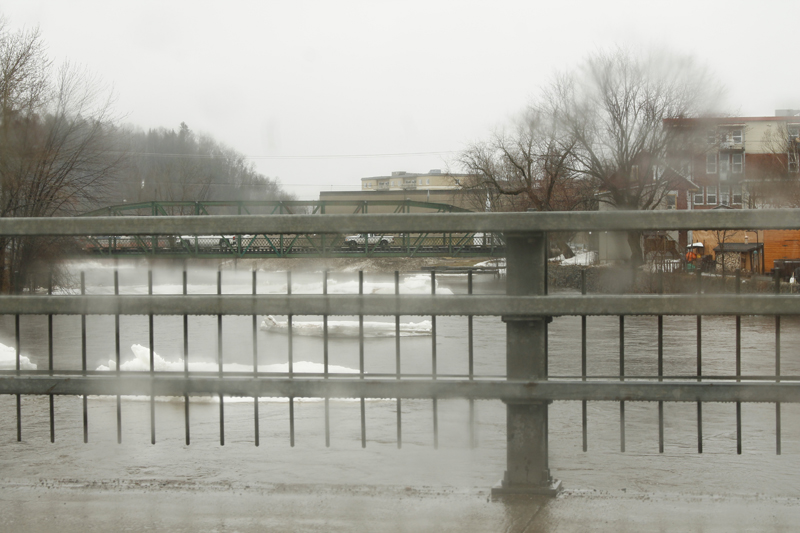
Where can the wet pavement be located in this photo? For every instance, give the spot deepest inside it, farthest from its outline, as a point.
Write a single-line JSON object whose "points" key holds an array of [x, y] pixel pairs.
{"points": [[67, 507]]}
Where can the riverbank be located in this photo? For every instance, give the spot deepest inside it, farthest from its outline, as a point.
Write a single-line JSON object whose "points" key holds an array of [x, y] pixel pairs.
{"points": [[311, 264], [602, 279], [615, 280]]}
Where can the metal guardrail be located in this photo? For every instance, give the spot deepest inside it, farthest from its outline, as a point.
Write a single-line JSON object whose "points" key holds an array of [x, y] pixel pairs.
{"points": [[526, 309]]}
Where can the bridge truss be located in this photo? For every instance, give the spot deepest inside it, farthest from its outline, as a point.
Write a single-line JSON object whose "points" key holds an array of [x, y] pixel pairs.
{"points": [[284, 245]]}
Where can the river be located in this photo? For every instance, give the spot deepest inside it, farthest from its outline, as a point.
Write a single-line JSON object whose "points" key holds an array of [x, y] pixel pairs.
{"points": [[455, 464]]}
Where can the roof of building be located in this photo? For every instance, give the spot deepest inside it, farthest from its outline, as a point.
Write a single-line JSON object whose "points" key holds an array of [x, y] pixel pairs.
{"points": [[732, 121], [409, 175], [740, 247]]}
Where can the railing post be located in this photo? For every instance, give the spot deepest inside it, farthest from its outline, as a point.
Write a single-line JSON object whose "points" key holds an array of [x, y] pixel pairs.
{"points": [[528, 470]]}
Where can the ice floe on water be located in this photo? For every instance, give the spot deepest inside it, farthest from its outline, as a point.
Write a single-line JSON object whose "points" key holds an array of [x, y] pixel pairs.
{"points": [[8, 359], [347, 328], [141, 363]]}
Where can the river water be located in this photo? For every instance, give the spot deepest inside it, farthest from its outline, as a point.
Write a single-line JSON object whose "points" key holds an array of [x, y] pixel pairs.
{"points": [[455, 464]]}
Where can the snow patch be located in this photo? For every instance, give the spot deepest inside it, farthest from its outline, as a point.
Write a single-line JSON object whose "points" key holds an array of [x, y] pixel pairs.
{"points": [[8, 359]]}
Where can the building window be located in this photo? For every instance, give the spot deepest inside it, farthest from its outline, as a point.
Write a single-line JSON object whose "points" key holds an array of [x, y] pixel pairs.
{"points": [[711, 163], [724, 196], [736, 193], [699, 197], [737, 163], [794, 132], [736, 136], [671, 201], [711, 136], [711, 195], [429, 182]]}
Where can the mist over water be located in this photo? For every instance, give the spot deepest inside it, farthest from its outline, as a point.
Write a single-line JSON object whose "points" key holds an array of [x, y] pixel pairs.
{"points": [[455, 464]]}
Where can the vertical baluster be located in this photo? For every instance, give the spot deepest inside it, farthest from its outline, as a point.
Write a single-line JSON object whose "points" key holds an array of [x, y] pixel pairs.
{"points": [[219, 365], [622, 378], [50, 359], [152, 363], [433, 367], [17, 366], [291, 360], [660, 375], [397, 360], [777, 369], [737, 281], [325, 362], [660, 366], [699, 365], [584, 408], [83, 364], [471, 368], [255, 361], [117, 352], [361, 359], [186, 357]]}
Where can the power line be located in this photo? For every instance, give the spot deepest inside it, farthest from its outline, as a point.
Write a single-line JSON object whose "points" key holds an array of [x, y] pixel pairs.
{"points": [[294, 157]]}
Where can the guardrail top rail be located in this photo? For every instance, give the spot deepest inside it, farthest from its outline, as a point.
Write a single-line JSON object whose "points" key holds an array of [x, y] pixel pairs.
{"points": [[411, 222]]}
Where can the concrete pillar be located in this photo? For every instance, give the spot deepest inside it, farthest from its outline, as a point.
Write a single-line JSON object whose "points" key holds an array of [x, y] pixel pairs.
{"points": [[528, 470]]}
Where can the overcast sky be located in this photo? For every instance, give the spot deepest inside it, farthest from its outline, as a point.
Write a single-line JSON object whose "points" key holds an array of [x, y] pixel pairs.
{"points": [[323, 93]]}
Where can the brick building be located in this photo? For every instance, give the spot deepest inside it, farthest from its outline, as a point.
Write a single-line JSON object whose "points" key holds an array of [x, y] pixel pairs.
{"points": [[740, 163]]}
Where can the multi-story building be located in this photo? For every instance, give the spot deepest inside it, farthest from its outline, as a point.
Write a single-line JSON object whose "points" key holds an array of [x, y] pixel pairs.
{"points": [[434, 186], [435, 180], [738, 162]]}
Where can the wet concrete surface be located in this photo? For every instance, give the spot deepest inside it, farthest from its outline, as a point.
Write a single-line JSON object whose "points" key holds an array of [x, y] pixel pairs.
{"points": [[67, 507]]}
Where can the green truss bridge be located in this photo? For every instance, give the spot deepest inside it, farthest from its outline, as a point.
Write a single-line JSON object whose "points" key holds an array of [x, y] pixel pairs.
{"points": [[290, 244]]}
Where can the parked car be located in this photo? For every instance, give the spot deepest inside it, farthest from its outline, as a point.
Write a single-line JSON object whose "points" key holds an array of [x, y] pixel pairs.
{"points": [[373, 239]]}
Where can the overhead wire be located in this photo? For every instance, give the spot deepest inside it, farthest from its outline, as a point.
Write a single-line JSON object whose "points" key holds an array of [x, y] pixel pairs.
{"points": [[311, 157]]}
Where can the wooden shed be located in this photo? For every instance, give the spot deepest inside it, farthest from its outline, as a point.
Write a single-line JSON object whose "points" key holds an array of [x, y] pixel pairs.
{"points": [[780, 244]]}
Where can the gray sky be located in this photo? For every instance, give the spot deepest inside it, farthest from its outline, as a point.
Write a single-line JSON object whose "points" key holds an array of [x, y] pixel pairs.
{"points": [[323, 93]]}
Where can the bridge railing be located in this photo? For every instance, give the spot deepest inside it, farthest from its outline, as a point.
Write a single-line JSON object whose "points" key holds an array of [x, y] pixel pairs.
{"points": [[526, 309], [284, 245]]}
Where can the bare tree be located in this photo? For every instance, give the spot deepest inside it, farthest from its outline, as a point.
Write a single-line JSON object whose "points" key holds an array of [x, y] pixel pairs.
{"points": [[614, 108], [773, 174], [56, 147], [530, 167]]}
